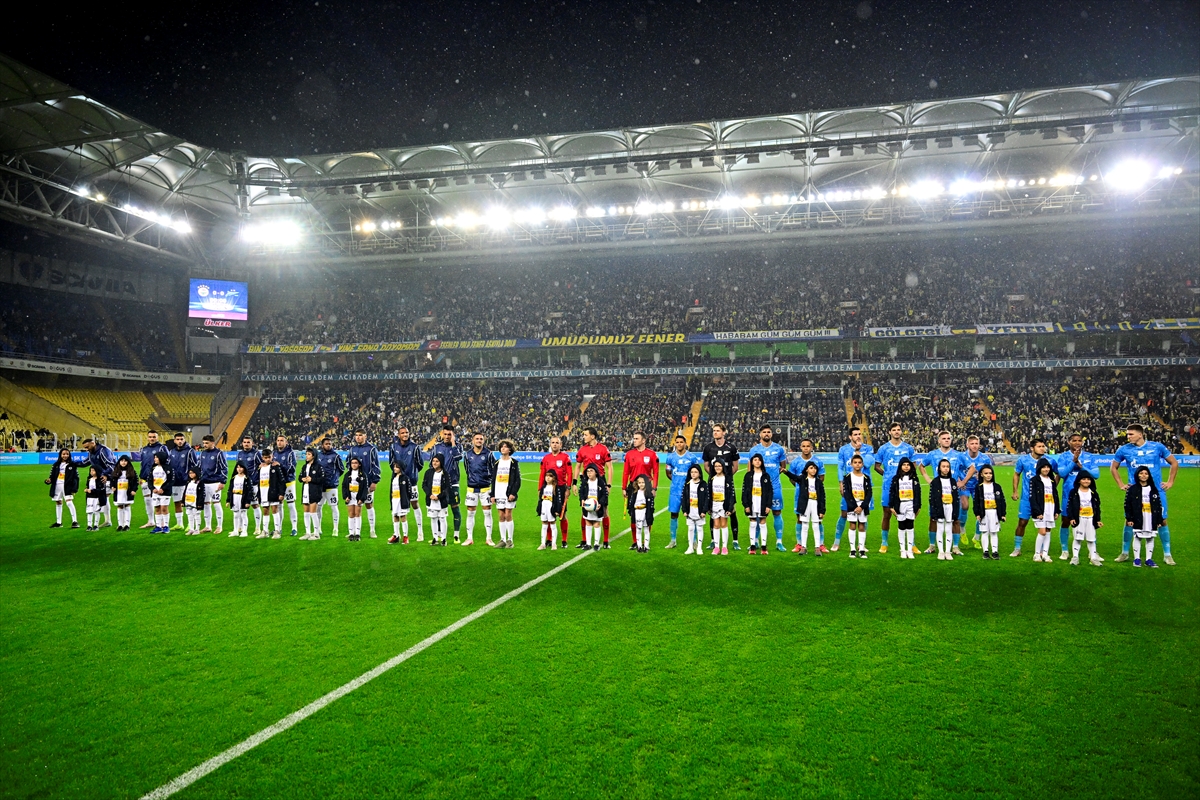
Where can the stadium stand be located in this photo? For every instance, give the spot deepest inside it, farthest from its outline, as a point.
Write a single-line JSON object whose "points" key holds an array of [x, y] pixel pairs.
{"points": [[124, 415], [617, 415], [925, 410], [818, 414], [1015, 279]]}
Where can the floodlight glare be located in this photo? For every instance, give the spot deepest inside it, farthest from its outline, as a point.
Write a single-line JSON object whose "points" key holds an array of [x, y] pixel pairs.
{"points": [[279, 233], [1128, 176]]}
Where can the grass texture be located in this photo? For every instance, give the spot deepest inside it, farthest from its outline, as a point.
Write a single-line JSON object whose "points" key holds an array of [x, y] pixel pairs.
{"points": [[127, 659]]}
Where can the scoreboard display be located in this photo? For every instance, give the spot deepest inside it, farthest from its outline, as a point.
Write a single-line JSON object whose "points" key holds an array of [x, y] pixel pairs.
{"points": [[227, 301]]}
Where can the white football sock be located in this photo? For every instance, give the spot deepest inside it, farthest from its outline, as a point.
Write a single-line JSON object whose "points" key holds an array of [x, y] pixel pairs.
{"points": [[487, 524], [258, 519], [470, 522], [404, 527], [58, 512], [371, 518], [278, 520], [1150, 548], [149, 503]]}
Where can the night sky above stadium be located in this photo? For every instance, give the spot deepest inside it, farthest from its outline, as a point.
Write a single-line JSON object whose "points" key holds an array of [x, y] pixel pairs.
{"points": [[326, 77]]}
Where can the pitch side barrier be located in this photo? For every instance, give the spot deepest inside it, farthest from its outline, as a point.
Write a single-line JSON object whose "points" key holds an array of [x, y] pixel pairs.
{"points": [[733, 369], [523, 456]]}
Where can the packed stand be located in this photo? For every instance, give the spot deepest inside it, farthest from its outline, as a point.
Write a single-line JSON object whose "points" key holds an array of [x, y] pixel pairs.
{"points": [[924, 411], [1099, 410], [618, 415], [817, 414], [994, 280], [1177, 403]]}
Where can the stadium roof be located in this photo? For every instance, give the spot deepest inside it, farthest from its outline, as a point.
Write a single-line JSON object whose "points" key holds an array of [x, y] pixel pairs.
{"points": [[74, 165]]}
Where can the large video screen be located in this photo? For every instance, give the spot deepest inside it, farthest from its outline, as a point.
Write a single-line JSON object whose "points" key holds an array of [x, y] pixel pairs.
{"points": [[223, 300]]}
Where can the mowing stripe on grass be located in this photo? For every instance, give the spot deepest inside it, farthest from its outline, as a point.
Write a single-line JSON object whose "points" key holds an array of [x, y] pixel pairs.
{"points": [[196, 773]]}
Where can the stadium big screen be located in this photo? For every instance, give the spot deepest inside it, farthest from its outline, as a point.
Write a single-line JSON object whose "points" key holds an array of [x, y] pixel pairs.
{"points": [[215, 300]]}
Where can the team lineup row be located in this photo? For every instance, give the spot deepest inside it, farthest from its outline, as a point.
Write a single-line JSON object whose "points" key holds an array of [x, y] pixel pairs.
{"points": [[702, 491]]}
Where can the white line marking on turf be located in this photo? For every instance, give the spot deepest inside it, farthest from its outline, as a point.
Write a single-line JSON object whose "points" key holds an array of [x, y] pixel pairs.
{"points": [[219, 760]]}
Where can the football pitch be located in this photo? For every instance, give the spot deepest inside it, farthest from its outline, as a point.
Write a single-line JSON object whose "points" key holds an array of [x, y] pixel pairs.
{"points": [[128, 659]]}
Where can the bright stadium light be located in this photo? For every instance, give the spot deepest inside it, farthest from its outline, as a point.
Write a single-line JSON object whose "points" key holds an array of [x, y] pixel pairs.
{"points": [[925, 189], [562, 213], [280, 233], [1128, 176], [179, 226]]}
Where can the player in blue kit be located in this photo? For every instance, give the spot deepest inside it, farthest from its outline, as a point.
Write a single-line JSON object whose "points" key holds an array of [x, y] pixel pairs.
{"points": [[214, 471], [773, 456], [405, 456], [678, 462], [285, 457], [1025, 471], [330, 462], [452, 456], [845, 454], [966, 475], [368, 459], [182, 458], [1068, 465], [931, 460], [1135, 453], [887, 460], [796, 474], [480, 462]]}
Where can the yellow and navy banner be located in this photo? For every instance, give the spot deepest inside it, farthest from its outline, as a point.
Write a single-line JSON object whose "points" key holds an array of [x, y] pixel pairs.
{"points": [[733, 337]]}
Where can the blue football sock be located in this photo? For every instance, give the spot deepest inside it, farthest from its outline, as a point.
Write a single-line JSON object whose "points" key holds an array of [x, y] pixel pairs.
{"points": [[884, 536], [1164, 533], [933, 538], [1126, 539], [1064, 538], [820, 534], [957, 539], [1017, 543], [797, 532], [978, 529], [674, 527], [778, 522], [837, 532]]}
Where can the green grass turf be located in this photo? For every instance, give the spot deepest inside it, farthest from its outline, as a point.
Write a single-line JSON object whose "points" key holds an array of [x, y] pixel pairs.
{"points": [[127, 659]]}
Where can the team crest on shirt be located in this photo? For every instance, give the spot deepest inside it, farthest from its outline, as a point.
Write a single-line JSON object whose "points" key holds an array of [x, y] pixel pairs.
{"points": [[558, 463], [645, 459]]}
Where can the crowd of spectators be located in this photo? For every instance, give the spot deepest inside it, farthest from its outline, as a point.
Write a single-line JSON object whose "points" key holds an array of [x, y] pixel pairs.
{"points": [[529, 418], [617, 415], [1099, 410], [15, 438], [817, 414], [923, 411], [61, 326], [1023, 278]]}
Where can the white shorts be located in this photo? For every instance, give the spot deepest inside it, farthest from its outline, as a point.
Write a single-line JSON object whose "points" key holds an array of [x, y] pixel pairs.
{"points": [[719, 513], [352, 501], [1145, 534], [398, 509], [162, 499], [212, 492], [481, 497], [1085, 529], [177, 493], [436, 513], [329, 496], [504, 504], [855, 517], [93, 505], [309, 495], [990, 522], [593, 517], [289, 496], [237, 503], [59, 496]]}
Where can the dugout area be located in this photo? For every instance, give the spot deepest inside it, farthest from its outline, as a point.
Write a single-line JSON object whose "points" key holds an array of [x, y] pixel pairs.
{"points": [[128, 659]]}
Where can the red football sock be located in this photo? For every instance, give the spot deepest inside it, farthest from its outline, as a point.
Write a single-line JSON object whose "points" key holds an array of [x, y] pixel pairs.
{"points": [[562, 527], [606, 530]]}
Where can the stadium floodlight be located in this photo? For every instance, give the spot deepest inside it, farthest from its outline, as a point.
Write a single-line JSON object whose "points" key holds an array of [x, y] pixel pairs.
{"points": [[497, 218], [1128, 176], [562, 213], [179, 226], [467, 220], [923, 190], [594, 211], [277, 233], [530, 216]]}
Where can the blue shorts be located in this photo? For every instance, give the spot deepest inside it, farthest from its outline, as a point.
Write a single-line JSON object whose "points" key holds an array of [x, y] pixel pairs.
{"points": [[1163, 497], [886, 492], [1023, 511], [777, 498], [675, 502]]}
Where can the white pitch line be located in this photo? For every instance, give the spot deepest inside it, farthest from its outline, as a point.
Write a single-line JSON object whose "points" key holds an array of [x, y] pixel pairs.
{"points": [[219, 760]]}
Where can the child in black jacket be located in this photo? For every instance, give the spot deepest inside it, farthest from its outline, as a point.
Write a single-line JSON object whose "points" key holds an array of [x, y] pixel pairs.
{"points": [[721, 490], [551, 498], [241, 496], [991, 508], [697, 504], [1083, 516], [943, 509], [904, 498], [758, 494], [640, 505], [810, 508], [64, 484], [593, 500], [1043, 506], [96, 493], [1143, 513]]}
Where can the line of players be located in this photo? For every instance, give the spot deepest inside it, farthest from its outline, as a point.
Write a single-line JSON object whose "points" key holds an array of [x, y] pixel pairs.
{"points": [[265, 482]]}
